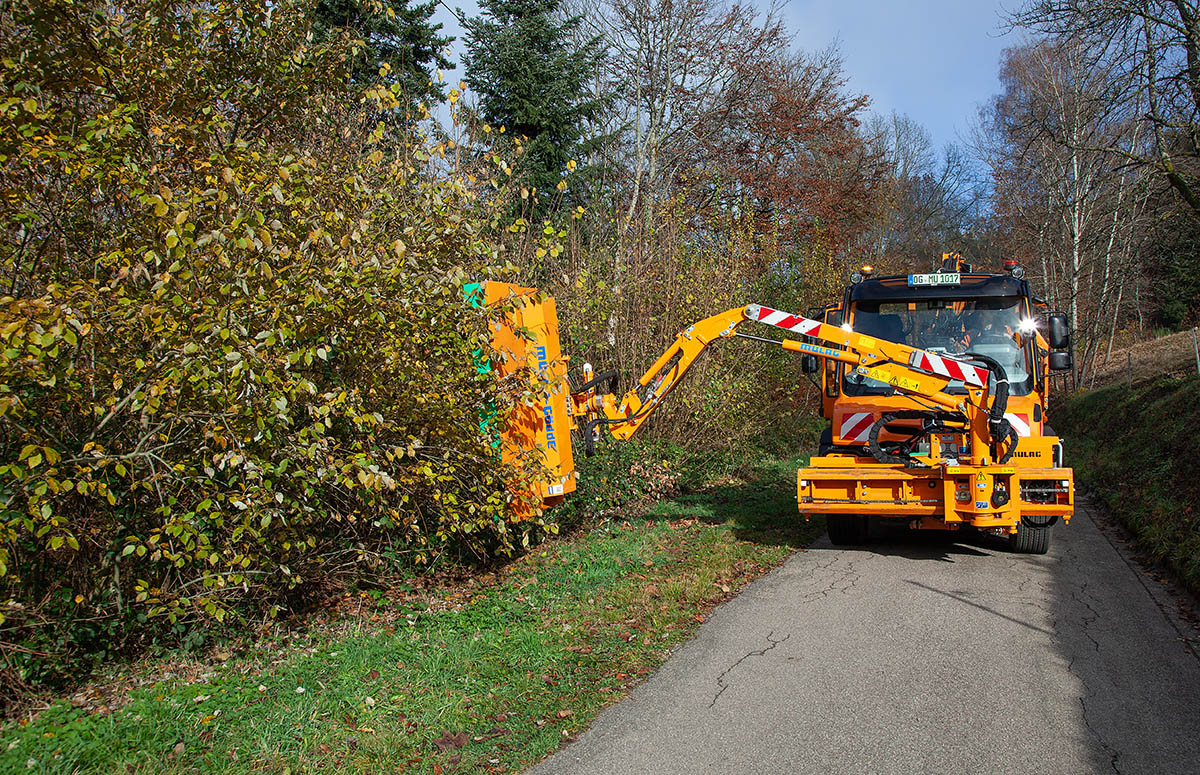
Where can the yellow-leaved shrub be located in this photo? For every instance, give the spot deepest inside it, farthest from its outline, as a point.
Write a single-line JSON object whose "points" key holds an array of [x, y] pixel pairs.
{"points": [[236, 360]]}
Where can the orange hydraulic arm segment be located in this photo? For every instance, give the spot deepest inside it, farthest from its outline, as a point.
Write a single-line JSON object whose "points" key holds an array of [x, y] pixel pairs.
{"points": [[624, 417], [911, 371]]}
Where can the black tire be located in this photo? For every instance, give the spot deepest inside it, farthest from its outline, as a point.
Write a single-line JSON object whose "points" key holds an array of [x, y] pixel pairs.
{"points": [[846, 529], [825, 445], [1030, 540]]}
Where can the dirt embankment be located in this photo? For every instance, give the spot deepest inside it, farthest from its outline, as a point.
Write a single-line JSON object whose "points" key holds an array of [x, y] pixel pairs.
{"points": [[1136, 450], [1172, 355]]}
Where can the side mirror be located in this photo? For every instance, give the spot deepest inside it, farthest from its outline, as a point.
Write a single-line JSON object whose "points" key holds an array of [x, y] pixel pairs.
{"points": [[1061, 361], [1058, 331], [809, 364]]}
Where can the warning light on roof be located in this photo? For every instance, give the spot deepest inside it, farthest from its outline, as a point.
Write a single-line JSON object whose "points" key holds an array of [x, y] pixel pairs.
{"points": [[867, 270]]}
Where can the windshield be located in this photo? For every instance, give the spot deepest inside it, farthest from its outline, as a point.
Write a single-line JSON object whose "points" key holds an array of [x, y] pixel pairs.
{"points": [[984, 326]]}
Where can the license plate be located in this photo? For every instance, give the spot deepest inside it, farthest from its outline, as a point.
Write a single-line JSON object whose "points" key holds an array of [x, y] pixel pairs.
{"points": [[943, 278]]}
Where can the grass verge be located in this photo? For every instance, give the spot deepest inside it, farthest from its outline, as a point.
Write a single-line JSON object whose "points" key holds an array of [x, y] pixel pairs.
{"points": [[1136, 450], [489, 677]]}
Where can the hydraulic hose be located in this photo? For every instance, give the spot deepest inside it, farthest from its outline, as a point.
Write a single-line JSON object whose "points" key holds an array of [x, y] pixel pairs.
{"points": [[935, 419], [998, 427], [589, 428], [877, 451], [611, 376]]}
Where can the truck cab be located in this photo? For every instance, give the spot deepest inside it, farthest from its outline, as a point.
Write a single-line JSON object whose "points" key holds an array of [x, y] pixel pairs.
{"points": [[981, 318]]}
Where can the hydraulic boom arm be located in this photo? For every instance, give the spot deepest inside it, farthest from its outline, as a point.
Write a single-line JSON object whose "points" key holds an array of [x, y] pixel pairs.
{"points": [[917, 373]]}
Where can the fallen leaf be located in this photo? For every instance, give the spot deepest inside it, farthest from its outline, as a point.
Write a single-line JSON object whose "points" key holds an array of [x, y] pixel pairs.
{"points": [[323, 748], [450, 741], [178, 748], [565, 713], [373, 674]]}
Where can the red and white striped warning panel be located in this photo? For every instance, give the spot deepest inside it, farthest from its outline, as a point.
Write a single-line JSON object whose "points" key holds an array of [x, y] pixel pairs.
{"points": [[784, 320], [1020, 423], [949, 367], [856, 426]]}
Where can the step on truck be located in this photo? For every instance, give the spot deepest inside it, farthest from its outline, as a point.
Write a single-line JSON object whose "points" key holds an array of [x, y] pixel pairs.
{"points": [[934, 385]]}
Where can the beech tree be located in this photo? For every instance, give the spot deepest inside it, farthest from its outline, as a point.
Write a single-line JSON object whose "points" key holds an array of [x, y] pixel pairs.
{"points": [[1150, 53], [1066, 199], [927, 202], [791, 145], [673, 74]]}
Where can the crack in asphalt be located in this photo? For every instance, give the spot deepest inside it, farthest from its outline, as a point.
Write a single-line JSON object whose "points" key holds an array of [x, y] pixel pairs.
{"points": [[846, 580], [1085, 622], [1105, 525], [721, 678], [1113, 752]]}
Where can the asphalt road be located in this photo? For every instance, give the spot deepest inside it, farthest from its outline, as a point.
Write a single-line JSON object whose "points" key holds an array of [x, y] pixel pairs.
{"points": [[920, 656]]}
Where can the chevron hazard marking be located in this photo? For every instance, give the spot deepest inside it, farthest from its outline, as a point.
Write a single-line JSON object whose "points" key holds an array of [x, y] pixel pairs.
{"points": [[949, 367], [795, 323], [1019, 422], [856, 426]]}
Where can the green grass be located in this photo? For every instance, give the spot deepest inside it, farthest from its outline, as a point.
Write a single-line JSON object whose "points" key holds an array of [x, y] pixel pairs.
{"points": [[487, 677], [1137, 450]]}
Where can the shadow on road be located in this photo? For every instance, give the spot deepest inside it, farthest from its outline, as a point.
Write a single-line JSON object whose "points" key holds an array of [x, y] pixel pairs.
{"points": [[1135, 663], [1124, 682], [987, 609]]}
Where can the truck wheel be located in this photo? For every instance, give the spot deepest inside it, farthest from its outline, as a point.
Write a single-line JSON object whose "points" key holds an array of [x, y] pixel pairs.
{"points": [[1030, 540], [846, 530], [825, 445]]}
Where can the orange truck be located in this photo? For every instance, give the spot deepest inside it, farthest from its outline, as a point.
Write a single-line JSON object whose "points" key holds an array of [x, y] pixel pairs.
{"points": [[935, 386]]}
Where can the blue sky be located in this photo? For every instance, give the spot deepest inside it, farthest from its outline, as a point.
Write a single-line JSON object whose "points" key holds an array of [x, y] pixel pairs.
{"points": [[935, 60]]}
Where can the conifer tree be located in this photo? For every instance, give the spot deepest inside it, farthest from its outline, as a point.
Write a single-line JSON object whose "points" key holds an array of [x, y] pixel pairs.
{"points": [[532, 77], [396, 33]]}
